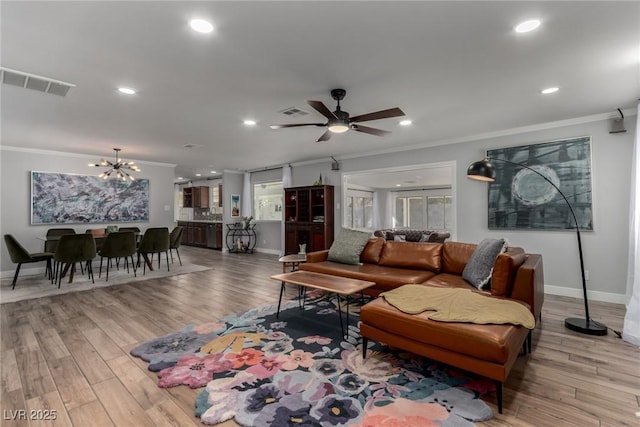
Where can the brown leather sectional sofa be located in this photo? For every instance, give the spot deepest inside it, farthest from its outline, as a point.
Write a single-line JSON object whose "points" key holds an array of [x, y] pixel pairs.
{"points": [[487, 350]]}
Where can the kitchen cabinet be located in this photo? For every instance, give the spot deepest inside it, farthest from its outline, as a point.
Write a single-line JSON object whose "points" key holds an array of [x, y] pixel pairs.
{"points": [[308, 218], [201, 234], [195, 197]]}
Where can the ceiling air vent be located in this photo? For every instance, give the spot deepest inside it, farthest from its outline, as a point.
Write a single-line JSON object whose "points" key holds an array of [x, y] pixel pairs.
{"points": [[31, 81], [294, 112]]}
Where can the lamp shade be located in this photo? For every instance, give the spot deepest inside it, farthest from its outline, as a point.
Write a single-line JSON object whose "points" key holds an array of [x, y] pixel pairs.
{"points": [[482, 170]]}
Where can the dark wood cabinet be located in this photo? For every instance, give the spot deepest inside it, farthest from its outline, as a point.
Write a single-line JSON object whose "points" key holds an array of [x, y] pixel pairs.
{"points": [[201, 234], [195, 197], [308, 218], [187, 197]]}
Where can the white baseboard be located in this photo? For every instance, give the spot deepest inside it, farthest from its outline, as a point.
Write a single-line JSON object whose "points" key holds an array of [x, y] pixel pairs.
{"points": [[577, 293], [23, 271], [268, 251]]}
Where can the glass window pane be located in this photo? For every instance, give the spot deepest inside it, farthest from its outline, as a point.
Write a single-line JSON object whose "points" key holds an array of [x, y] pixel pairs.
{"points": [[358, 212], [368, 213], [267, 201], [416, 212], [398, 220], [448, 223], [435, 213], [349, 213]]}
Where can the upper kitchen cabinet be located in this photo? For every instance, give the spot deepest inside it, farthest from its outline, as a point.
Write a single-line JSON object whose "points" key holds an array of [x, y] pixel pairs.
{"points": [[195, 197]]}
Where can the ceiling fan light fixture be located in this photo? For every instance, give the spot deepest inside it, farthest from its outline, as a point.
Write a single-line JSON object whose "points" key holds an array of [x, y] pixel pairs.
{"points": [[338, 126]]}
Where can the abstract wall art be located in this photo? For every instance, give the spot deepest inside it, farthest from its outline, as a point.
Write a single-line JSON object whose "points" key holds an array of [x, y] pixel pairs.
{"points": [[58, 198], [521, 199]]}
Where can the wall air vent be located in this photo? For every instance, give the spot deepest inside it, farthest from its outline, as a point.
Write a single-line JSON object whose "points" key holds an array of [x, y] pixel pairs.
{"points": [[32, 81], [294, 112]]}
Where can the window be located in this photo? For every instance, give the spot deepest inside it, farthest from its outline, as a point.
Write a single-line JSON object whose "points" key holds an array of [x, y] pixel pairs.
{"points": [[359, 209], [267, 201], [423, 211]]}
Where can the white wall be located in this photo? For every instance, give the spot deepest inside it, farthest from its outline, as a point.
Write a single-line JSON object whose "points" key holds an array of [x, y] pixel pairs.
{"points": [[605, 248], [15, 199]]}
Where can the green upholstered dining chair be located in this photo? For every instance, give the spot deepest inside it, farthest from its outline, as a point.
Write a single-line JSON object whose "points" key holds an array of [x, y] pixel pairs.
{"points": [[19, 255], [154, 241], [175, 238], [74, 248], [51, 245], [121, 244]]}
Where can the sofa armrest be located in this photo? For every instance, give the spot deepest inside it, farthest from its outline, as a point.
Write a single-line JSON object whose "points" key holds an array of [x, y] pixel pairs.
{"points": [[528, 285], [318, 256]]}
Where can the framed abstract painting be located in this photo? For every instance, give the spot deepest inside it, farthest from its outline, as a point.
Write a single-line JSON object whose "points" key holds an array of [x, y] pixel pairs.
{"points": [[520, 199], [58, 198]]}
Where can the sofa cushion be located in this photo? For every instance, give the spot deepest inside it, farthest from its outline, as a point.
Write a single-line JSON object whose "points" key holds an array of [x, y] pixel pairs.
{"points": [[504, 271], [348, 246], [412, 255], [386, 278], [455, 256], [447, 280], [371, 252], [480, 266], [493, 343]]}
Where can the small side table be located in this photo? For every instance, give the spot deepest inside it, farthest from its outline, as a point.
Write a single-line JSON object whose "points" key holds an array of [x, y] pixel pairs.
{"points": [[293, 260]]}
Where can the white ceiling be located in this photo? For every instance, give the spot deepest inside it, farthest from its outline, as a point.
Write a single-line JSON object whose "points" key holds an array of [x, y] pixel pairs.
{"points": [[457, 69]]}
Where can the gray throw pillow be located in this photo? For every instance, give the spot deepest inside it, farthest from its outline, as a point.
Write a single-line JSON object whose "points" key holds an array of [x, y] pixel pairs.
{"points": [[480, 266], [399, 238], [348, 246], [424, 237]]}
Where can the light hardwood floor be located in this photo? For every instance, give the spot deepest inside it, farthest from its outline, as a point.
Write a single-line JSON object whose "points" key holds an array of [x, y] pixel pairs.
{"points": [[70, 353]]}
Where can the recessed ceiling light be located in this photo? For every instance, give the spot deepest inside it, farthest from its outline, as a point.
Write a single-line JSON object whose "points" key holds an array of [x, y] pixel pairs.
{"points": [[180, 177], [526, 26], [398, 185], [249, 122], [405, 122], [198, 174], [127, 90], [201, 26], [549, 90], [213, 171]]}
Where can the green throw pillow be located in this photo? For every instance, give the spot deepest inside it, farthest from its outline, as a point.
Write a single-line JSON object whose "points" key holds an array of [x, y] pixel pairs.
{"points": [[348, 246], [480, 266]]}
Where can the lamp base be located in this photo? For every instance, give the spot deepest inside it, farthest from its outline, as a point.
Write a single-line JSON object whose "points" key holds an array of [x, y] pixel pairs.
{"points": [[584, 326]]}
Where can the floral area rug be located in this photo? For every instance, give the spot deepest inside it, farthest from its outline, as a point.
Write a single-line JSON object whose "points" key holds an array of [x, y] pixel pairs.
{"points": [[297, 370]]}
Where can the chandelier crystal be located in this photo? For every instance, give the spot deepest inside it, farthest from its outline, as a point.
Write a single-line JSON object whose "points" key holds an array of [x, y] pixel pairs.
{"points": [[118, 168]]}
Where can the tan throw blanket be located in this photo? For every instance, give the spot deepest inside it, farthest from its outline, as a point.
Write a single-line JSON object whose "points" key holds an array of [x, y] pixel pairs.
{"points": [[459, 305]]}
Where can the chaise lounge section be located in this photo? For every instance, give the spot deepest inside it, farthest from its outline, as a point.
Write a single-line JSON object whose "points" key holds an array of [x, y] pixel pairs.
{"points": [[489, 350]]}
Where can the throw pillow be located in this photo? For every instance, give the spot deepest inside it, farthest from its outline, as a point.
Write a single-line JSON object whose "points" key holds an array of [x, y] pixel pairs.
{"points": [[389, 235], [399, 238], [480, 266], [348, 246], [425, 237]]}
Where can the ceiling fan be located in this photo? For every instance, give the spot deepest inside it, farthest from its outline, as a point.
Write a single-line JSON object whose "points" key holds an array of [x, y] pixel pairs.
{"points": [[339, 121]]}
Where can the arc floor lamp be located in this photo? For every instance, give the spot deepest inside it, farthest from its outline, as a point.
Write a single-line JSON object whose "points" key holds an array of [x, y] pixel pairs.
{"points": [[484, 170]]}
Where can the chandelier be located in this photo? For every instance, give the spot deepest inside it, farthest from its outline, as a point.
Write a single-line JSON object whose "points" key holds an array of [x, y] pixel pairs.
{"points": [[118, 168]]}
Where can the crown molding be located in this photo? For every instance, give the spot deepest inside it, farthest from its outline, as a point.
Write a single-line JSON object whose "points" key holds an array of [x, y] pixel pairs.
{"points": [[496, 134], [76, 155]]}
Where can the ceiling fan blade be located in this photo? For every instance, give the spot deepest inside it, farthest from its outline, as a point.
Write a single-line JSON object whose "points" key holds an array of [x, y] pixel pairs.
{"points": [[372, 131], [324, 137], [322, 109], [295, 125], [383, 114]]}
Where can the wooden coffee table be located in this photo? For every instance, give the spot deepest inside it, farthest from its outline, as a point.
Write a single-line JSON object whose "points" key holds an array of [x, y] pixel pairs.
{"points": [[341, 286]]}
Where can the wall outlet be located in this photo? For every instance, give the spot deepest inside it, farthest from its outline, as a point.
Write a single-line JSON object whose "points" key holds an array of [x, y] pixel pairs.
{"points": [[586, 275]]}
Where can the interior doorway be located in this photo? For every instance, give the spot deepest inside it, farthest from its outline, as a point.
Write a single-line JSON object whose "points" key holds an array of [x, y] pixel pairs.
{"points": [[416, 197]]}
